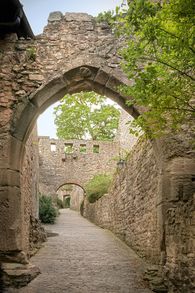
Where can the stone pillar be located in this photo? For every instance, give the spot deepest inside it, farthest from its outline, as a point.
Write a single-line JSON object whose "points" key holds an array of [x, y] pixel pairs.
{"points": [[14, 265], [11, 215]]}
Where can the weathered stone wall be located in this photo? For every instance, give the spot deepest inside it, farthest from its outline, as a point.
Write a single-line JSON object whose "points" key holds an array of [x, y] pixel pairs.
{"points": [[58, 168], [129, 210], [178, 187], [29, 184], [127, 140], [76, 198], [180, 225]]}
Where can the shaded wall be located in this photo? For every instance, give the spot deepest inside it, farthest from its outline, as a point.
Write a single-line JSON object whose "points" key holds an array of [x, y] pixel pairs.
{"points": [[77, 196], [29, 184]]}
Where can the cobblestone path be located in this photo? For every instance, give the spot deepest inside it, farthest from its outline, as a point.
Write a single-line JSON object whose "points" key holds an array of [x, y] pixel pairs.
{"points": [[84, 258]]}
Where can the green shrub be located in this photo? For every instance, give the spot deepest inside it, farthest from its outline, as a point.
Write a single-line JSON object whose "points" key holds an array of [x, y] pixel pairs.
{"points": [[106, 16], [67, 202], [97, 187], [47, 211]]}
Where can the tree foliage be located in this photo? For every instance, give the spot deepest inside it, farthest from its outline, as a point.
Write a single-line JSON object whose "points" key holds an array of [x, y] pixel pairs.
{"points": [[106, 16], [159, 58], [86, 115]]}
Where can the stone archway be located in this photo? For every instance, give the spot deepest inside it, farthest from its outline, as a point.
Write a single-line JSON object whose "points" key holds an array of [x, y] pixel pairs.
{"points": [[73, 54], [82, 78], [74, 191], [71, 183]]}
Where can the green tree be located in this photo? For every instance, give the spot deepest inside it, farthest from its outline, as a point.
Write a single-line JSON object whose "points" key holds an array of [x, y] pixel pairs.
{"points": [[86, 115], [159, 58]]}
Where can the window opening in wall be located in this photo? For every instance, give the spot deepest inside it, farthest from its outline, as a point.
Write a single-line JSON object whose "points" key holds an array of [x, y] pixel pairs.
{"points": [[96, 149], [53, 147], [83, 148], [68, 148]]}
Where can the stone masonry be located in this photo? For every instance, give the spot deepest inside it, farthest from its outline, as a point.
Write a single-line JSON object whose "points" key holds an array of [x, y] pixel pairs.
{"points": [[85, 159], [130, 208], [131, 211], [75, 53], [30, 184], [58, 168]]}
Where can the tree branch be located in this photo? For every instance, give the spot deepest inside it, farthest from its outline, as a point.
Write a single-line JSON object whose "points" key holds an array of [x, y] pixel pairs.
{"points": [[168, 65]]}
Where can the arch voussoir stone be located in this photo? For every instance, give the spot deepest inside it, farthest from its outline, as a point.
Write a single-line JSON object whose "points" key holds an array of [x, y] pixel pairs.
{"points": [[102, 76], [77, 183]]}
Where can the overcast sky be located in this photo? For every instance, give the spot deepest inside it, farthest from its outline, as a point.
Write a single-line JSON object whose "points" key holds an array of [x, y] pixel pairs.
{"points": [[37, 12]]}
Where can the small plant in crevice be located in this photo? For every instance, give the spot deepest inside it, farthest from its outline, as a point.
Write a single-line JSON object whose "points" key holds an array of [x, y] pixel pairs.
{"points": [[47, 211], [31, 54], [97, 187]]}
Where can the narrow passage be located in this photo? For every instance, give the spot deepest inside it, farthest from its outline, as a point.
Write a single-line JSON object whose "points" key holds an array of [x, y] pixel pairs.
{"points": [[84, 258]]}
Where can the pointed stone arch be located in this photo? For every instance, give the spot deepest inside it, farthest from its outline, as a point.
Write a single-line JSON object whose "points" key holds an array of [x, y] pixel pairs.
{"points": [[76, 79], [73, 54], [82, 78]]}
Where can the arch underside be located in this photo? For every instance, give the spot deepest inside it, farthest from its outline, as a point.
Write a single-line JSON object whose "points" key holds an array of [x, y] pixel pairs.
{"points": [[71, 183]]}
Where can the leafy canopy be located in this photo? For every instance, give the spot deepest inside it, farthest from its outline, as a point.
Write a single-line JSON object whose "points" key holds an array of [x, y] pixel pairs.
{"points": [[86, 115], [159, 58]]}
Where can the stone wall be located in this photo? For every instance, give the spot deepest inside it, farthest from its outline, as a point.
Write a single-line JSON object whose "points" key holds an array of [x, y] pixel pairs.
{"points": [[127, 140], [58, 168], [129, 210], [76, 198], [152, 209], [180, 224], [29, 184], [179, 205]]}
